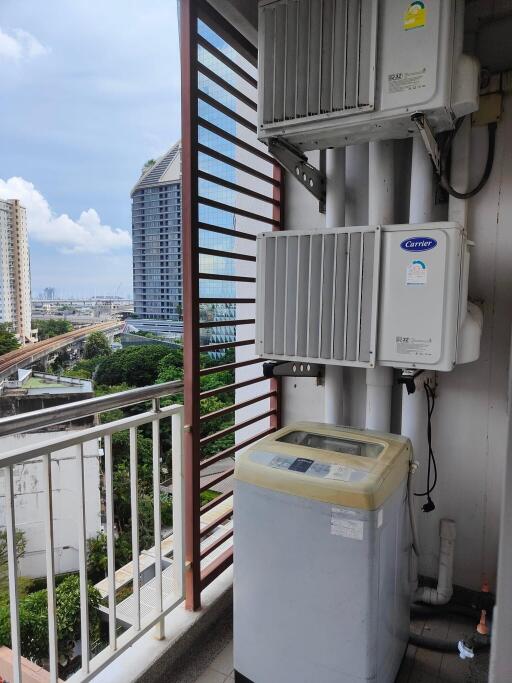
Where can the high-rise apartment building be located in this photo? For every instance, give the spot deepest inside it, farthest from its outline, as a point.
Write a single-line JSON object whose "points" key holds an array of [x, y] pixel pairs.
{"points": [[15, 298], [156, 221], [156, 232]]}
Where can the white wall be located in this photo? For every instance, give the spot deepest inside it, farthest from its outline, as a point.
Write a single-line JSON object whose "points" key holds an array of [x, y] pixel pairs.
{"points": [[470, 423], [29, 503]]}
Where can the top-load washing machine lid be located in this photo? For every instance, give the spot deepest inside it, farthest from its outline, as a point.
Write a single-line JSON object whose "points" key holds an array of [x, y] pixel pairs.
{"points": [[340, 465]]}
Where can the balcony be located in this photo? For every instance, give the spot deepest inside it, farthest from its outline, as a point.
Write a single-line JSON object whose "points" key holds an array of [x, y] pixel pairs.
{"points": [[166, 614], [147, 632]]}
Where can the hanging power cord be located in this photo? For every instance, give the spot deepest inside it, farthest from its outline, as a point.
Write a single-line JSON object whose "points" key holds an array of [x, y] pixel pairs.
{"points": [[445, 155], [432, 465]]}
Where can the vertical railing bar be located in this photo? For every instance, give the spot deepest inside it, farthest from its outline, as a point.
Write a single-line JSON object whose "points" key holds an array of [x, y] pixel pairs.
{"points": [[178, 502], [157, 515], [82, 560], [111, 550], [50, 569], [191, 358], [135, 523], [12, 556]]}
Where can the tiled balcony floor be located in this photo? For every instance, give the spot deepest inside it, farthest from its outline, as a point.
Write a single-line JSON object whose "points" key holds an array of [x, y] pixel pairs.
{"points": [[211, 660]]}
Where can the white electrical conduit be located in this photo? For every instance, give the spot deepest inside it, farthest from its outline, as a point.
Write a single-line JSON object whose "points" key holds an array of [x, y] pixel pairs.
{"points": [[381, 201], [444, 591], [334, 218], [412, 512], [414, 406]]}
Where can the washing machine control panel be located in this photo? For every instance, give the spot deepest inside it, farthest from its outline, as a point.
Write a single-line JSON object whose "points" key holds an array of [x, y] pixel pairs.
{"points": [[309, 467]]}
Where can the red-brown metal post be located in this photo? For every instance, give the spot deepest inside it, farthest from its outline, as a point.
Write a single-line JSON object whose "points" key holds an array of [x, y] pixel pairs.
{"points": [[278, 216], [188, 36]]}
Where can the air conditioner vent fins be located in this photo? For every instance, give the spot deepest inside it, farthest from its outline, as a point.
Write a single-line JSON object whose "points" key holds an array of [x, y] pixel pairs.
{"points": [[318, 58]]}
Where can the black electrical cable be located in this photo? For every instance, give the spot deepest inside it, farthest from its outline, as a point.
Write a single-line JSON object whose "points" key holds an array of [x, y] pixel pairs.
{"points": [[431, 402], [445, 154]]}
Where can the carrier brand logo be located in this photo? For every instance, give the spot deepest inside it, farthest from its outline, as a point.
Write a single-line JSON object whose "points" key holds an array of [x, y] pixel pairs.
{"points": [[418, 243]]}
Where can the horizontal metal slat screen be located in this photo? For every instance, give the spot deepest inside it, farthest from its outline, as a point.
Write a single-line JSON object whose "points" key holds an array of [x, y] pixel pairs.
{"points": [[317, 296], [231, 193]]}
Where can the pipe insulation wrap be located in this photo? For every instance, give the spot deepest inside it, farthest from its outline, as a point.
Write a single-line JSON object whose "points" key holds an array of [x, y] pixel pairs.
{"points": [[381, 204], [444, 591], [334, 218]]}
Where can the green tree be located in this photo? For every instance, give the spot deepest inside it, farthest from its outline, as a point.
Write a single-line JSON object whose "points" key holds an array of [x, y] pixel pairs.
{"points": [[84, 368], [8, 341], [97, 345], [33, 617], [21, 544], [51, 328], [136, 366]]}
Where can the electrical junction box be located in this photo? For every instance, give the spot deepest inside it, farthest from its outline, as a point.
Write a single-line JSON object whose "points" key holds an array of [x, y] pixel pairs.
{"points": [[392, 295], [321, 569], [340, 72]]}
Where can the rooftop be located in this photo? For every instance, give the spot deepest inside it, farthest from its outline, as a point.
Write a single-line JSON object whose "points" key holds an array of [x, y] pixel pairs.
{"points": [[166, 169]]}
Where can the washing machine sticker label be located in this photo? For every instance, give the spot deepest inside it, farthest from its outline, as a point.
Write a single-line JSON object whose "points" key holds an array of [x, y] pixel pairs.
{"points": [[416, 273], [344, 525]]}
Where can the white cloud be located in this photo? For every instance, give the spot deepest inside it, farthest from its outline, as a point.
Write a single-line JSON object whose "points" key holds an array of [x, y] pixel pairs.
{"points": [[85, 235], [20, 45]]}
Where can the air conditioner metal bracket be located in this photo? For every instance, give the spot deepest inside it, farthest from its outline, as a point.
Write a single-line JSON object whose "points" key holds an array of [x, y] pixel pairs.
{"points": [[296, 162], [428, 138], [285, 368]]}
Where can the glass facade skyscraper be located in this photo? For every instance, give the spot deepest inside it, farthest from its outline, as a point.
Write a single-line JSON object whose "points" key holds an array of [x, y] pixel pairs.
{"points": [[156, 233], [209, 215], [156, 218]]}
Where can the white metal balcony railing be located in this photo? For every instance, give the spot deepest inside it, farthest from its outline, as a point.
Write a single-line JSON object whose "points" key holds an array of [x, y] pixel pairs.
{"points": [[149, 604]]}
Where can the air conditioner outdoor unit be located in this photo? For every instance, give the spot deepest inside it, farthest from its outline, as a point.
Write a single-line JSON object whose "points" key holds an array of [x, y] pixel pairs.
{"points": [[339, 72], [393, 295]]}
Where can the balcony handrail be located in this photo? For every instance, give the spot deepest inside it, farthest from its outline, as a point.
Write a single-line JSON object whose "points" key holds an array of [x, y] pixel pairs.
{"points": [[148, 608], [47, 417]]}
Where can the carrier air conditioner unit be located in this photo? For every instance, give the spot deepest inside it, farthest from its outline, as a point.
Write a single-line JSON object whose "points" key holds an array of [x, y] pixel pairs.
{"points": [[393, 295], [339, 72]]}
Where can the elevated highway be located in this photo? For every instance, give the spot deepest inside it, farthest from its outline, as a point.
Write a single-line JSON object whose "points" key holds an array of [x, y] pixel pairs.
{"points": [[31, 353]]}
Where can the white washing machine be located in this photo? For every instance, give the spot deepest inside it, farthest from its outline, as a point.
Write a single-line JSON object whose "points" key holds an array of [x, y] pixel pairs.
{"points": [[322, 542]]}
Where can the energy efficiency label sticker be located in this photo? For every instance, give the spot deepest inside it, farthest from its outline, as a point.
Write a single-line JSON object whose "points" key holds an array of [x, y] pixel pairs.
{"points": [[416, 273]]}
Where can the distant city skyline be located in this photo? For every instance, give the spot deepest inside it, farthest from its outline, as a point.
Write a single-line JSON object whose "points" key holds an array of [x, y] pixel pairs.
{"points": [[79, 120]]}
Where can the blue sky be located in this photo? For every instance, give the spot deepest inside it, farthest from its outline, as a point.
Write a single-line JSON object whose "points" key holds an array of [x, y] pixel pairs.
{"points": [[89, 90]]}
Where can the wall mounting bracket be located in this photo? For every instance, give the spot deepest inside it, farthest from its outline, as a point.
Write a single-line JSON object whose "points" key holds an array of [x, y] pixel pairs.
{"points": [[408, 378], [296, 162], [428, 138], [276, 368]]}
